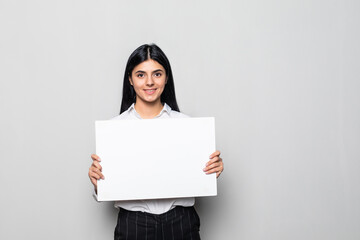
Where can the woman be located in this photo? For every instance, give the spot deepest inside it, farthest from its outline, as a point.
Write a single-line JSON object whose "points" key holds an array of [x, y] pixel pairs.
{"points": [[148, 92]]}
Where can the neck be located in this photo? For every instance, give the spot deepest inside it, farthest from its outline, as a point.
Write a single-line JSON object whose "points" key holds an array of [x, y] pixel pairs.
{"points": [[148, 110]]}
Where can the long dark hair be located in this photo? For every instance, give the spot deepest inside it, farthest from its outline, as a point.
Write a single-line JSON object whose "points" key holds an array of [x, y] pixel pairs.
{"points": [[141, 54]]}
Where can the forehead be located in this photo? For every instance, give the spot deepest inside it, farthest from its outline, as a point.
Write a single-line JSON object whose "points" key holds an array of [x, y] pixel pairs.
{"points": [[148, 66]]}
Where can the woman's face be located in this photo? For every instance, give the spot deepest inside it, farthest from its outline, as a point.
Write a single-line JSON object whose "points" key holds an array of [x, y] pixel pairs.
{"points": [[148, 79]]}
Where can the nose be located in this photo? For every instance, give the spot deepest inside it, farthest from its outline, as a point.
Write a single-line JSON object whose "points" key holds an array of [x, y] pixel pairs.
{"points": [[149, 81]]}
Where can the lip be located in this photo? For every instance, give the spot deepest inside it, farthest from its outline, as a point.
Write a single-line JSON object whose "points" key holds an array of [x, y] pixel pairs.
{"points": [[150, 91]]}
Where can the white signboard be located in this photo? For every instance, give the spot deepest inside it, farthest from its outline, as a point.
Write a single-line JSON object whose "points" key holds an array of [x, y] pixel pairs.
{"points": [[156, 158]]}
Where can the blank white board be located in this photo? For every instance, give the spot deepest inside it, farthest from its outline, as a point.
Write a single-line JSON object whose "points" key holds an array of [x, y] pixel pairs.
{"points": [[156, 158]]}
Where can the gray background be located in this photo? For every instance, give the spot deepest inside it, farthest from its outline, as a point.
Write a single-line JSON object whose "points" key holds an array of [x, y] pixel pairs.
{"points": [[281, 78]]}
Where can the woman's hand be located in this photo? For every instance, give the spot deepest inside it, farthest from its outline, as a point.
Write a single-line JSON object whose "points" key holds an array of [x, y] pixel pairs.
{"points": [[215, 164], [95, 170]]}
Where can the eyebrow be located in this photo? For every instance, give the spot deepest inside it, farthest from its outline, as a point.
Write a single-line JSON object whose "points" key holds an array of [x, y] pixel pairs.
{"points": [[157, 70]]}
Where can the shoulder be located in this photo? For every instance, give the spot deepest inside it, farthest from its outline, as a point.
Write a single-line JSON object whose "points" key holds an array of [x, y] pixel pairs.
{"points": [[172, 113], [176, 114], [124, 115], [128, 114]]}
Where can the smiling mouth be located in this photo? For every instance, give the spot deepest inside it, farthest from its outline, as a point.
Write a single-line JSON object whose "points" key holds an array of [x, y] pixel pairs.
{"points": [[150, 91]]}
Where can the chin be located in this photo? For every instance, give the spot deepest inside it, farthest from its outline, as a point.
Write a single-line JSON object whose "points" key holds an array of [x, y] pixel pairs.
{"points": [[150, 100]]}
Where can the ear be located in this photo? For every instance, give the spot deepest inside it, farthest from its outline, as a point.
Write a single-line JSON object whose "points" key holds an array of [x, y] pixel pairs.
{"points": [[166, 80], [131, 82]]}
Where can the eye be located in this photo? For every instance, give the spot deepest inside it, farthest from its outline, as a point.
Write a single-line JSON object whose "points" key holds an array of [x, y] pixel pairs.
{"points": [[140, 75], [158, 74]]}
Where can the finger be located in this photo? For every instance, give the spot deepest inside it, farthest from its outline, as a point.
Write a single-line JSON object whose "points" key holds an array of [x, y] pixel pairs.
{"points": [[94, 182], [211, 166], [94, 175], [95, 157], [98, 172], [216, 153], [97, 176], [97, 165], [213, 160], [213, 170]]}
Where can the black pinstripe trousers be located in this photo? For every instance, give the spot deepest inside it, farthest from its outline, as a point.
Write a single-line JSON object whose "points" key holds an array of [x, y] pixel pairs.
{"points": [[178, 223]]}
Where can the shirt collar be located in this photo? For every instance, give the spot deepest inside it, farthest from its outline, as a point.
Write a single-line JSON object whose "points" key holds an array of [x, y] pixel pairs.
{"points": [[166, 109]]}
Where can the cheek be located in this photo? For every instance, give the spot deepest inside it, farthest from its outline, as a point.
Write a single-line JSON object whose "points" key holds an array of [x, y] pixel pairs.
{"points": [[137, 84], [161, 83], [137, 89]]}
